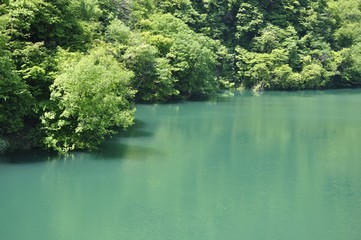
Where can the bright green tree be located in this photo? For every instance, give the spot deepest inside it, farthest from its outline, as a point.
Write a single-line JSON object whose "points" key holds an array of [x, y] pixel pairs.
{"points": [[91, 98]]}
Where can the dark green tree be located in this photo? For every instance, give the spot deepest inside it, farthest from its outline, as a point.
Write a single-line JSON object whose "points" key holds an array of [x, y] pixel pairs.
{"points": [[192, 56], [15, 99]]}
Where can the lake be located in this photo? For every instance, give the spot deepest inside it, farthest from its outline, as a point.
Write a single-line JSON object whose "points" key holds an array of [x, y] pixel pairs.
{"points": [[279, 166]]}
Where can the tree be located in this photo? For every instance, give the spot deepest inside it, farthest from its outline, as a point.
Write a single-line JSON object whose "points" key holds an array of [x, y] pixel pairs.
{"points": [[249, 22], [51, 22], [348, 41], [118, 32], [192, 56], [91, 97], [193, 65], [182, 9], [153, 78], [15, 99]]}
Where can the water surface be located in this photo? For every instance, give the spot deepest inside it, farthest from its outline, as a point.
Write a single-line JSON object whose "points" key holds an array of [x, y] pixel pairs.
{"points": [[271, 167]]}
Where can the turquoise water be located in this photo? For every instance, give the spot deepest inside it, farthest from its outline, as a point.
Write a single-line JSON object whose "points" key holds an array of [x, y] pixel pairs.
{"points": [[270, 167]]}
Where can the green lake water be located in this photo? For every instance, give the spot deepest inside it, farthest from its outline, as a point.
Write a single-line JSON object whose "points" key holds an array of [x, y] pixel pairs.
{"points": [[280, 166]]}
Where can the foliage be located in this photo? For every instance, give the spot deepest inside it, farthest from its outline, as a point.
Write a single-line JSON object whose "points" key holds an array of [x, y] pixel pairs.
{"points": [[182, 9], [15, 99], [153, 77], [43, 21], [193, 66], [192, 56], [347, 39], [118, 52], [118, 32], [91, 96], [249, 21]]}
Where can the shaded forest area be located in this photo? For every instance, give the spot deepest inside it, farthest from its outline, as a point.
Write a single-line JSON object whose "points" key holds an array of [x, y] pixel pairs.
{"points": [[71, 70]]}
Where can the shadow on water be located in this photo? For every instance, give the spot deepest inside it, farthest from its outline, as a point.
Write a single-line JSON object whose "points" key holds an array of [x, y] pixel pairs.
{"points": [[223, 96], [135, 131], [116, 149], [311, 93], [112, 149], [29, 157]]}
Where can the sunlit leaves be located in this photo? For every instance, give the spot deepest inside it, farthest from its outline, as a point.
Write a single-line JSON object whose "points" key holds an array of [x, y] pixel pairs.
{"points": [[91, 97]]}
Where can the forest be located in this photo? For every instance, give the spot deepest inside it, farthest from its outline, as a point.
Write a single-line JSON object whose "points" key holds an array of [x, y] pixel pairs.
{"points": [[71, 71]]}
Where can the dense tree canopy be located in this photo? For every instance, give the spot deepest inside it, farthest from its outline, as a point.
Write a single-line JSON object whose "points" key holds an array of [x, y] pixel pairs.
{"points": [[15, 98], [89, 97], [70, 71]]}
